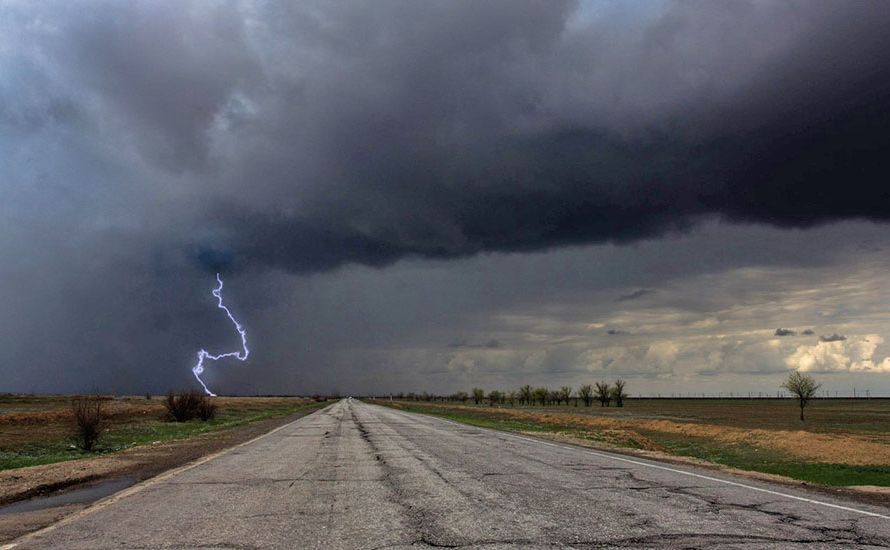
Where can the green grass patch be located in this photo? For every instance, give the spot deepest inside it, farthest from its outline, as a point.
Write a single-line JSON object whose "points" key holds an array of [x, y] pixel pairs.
{"points": [[747, 457], [146, 431]]}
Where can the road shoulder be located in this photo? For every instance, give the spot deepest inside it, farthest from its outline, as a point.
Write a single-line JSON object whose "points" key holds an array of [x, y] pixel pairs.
{"points": [[137, 464]]}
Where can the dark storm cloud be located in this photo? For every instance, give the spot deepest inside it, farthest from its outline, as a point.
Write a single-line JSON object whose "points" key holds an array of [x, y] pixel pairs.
{"points": [[145, 142], [635, 294], [477, 142], [785, 332], [493, 343], [312, 135], [833, 338]]}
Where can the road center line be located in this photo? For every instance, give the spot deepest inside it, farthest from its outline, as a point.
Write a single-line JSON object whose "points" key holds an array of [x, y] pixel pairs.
{"points": [[666, 468]]}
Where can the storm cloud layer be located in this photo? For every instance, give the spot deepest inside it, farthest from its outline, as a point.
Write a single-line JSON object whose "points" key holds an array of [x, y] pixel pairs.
{"points": [[146, 142], [309, 135]]}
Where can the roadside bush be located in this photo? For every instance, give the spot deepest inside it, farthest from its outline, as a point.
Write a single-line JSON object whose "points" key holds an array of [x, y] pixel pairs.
{"points": [[88, 421], [184, 405], [207, 409]]}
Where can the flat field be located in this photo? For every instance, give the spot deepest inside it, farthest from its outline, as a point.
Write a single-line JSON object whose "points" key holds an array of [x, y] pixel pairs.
{"points": [[842, 442], [38, 430]]}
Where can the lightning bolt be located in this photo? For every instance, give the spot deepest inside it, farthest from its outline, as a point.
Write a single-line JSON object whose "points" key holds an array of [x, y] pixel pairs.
{"points": [[204, 354]]}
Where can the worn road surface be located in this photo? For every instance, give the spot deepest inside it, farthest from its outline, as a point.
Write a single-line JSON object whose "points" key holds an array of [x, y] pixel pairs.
{"points": [[360, 476]]}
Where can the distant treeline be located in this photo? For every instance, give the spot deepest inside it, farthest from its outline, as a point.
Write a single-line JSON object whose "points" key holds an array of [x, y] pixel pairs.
{"points": [[604, 393]]}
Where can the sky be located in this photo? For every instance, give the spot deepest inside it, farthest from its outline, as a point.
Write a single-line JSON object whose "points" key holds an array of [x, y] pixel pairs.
{"points": [[431, 196]]}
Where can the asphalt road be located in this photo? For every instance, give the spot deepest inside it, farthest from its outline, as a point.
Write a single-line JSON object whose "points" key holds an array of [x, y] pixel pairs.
{"points": [[360, 476]]}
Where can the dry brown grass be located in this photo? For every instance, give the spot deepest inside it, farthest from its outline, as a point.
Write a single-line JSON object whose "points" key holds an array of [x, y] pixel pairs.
{"points": [[828, 448], [32, 420]]}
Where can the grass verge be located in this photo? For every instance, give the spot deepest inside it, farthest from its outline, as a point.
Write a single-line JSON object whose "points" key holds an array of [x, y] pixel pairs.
{"points": [[36, 444], [758, 459]]}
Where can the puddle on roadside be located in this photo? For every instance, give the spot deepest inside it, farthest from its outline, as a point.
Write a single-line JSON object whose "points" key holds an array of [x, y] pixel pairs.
{"points": [[84, 495]]}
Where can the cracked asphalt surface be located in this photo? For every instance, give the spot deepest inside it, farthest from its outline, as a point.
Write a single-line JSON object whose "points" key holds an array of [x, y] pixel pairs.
{"points": [[361, 476]]}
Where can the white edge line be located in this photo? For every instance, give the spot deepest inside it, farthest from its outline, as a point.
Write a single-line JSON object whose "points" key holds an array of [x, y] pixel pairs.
{"points": [[96, 506], [659, 467]]}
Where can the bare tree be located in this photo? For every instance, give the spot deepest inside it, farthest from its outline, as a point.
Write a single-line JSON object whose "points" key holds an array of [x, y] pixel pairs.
{"points": [[565, 393], [541, 394], [88, 421], [618, 394], [603, 393], [803, 386], [525, 393], [511, 397], [585, 392], [494, 396], [554, 397], [478, 395]]}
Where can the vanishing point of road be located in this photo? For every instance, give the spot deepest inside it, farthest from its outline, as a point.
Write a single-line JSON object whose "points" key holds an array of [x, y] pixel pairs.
{"points": [[355, 475]]}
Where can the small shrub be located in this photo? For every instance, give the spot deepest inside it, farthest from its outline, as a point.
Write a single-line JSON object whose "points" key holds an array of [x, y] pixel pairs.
{"points": [[207, 409], [88, 421], [184, 405]]}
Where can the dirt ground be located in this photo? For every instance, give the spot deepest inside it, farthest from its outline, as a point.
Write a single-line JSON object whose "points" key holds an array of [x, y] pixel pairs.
{"points": [[139, 463]]}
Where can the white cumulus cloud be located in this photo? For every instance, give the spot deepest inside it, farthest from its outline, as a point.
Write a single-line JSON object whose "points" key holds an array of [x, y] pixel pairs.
{"points": [[856, 354]]}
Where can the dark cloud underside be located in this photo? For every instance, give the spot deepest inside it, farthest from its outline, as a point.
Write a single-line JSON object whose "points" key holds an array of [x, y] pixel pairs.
{"points": [[144, 143], [321, 134]]}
